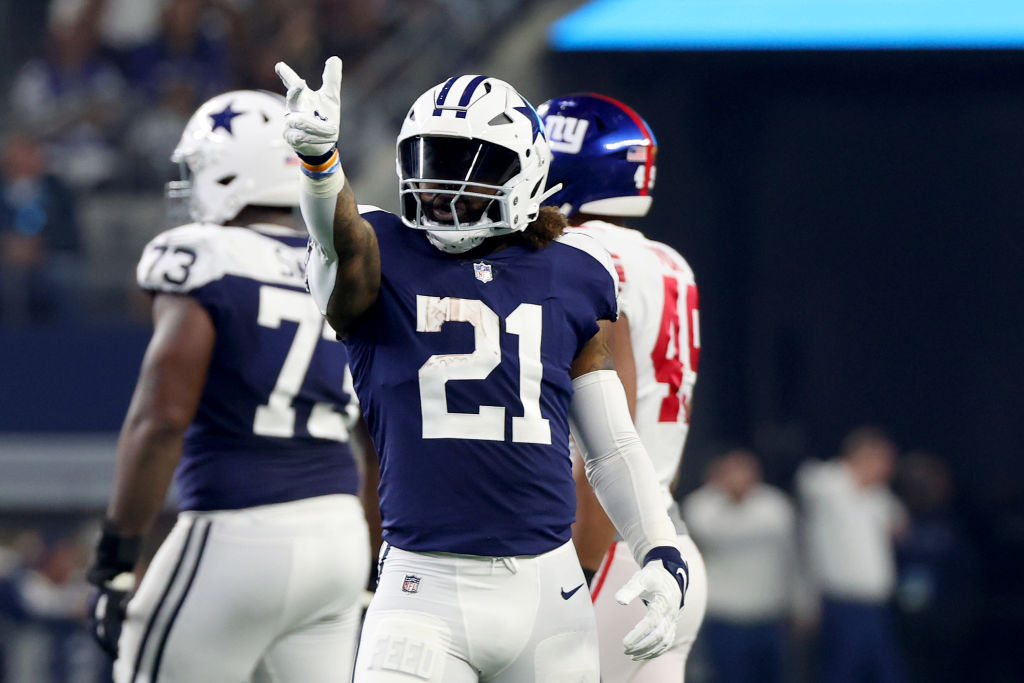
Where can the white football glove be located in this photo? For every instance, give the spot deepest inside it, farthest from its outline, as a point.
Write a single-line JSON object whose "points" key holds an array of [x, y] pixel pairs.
{"points": [[314, 116], [661, 584]]}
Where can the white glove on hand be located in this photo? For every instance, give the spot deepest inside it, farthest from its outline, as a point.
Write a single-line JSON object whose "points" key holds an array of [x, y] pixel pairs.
{"points": [[661, 584], [313, 121]]}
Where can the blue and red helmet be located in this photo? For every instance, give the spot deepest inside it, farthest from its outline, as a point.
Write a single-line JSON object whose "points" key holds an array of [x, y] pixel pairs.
{"points": [[603, 155]]}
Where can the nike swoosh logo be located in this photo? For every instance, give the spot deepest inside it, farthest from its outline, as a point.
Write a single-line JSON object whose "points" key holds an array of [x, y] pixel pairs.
{"points": [[566, 596]]}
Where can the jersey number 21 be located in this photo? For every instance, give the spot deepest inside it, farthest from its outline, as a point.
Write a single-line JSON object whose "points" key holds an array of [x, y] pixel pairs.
{"points": [[488, 424]]}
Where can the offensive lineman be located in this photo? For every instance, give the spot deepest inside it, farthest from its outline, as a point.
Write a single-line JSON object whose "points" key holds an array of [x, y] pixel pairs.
{"points": [[473, 337], [244, 396], [604, 155]]}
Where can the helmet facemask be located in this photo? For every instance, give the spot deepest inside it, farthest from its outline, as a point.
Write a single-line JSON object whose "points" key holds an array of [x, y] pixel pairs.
{"points": [[456, 184]]}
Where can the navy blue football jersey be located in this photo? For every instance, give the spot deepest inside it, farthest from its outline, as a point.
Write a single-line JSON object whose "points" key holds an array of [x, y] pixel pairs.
{"points": [[275, 413], [462, 371]]}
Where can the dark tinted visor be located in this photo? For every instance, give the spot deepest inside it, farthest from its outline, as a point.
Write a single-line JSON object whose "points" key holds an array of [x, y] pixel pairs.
{"points": [[457, 159]]}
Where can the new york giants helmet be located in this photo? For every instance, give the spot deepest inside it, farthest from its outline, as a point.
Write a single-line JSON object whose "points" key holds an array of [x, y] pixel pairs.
{"points": [[472, 162], [233, 154], [604, 155]]}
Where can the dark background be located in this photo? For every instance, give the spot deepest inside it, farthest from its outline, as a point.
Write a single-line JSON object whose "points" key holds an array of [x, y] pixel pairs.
{"points": [[854, 221]]}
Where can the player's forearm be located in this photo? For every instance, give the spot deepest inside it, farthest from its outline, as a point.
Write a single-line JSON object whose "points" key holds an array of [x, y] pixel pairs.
{"points": [[358, 279], [343, 270], [618, 467], [148, 453], [593, 532]]}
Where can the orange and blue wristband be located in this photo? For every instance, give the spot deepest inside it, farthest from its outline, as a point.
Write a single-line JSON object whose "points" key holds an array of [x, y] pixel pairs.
{"points": [[321, 166]]}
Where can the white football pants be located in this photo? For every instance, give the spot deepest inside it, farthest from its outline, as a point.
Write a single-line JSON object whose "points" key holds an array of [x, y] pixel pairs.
{"points": [[614, 621], [270, 593], [446, 618]]}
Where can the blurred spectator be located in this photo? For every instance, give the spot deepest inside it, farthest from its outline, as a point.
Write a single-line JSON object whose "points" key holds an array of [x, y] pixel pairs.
{"points": [[183, 64], [155, 132], [126, 25], [71, 98], [303, 32], [747, 533], [187, 52], [43, 595], [280, 30], [39, 242], [938, 574], [852, 518]]}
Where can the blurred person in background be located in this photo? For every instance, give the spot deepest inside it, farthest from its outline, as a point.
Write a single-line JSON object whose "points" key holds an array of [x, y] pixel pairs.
{"points": [[185, 62], [126, 25], [279, 30], [936, 593], [604, 159], [852, 519], [245, 399], [43, 599], [747, 532], [187, 50], [40, 270], [72, 99]]}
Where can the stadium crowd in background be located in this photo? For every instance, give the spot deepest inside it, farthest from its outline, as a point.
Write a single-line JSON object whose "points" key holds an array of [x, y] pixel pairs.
{"points": [[107, 86]]}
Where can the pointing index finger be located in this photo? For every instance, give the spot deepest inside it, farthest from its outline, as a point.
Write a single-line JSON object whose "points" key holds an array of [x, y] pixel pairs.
{"points": [[288, 76]]}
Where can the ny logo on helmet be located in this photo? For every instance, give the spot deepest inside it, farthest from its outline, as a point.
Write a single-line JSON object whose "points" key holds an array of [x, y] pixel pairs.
{"points": [[566, 133]]}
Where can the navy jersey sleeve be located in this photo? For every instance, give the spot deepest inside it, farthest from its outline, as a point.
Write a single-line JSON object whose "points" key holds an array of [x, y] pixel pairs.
{"points": [[588, 279], [186, 260]]}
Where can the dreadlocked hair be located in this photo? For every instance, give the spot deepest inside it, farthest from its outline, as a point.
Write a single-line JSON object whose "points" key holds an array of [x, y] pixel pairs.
{"points": [[544, 229]]}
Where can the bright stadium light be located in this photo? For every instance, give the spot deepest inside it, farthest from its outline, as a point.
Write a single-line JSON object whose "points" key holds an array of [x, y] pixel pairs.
{"points": [[791, 25]]}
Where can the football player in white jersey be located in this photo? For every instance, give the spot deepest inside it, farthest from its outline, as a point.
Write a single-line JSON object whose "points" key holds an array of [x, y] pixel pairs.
{"points": [[604, 159], [244, 397], [475, 330]]}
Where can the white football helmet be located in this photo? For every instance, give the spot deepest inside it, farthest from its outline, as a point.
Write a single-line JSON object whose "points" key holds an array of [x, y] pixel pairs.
{"points": [[233, 154], [472, 162]]}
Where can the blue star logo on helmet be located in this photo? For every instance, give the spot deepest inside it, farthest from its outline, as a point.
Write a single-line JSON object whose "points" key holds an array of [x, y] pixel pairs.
{"points": [[222, 119], [529, 112]]}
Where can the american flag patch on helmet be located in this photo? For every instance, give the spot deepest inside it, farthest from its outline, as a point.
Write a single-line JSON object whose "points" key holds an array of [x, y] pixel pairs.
{"points": [[636, 153]]}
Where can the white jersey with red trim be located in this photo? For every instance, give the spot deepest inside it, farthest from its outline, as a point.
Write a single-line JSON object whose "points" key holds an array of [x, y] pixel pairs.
{"points": [[658, 295]]}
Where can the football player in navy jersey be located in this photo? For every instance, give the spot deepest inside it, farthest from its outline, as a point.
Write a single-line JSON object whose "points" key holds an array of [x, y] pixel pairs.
{"points": [[476, 330], [244, 397], [604, 160]]}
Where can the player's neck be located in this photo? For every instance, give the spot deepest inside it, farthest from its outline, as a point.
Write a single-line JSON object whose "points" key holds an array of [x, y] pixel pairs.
{"points": [[489, 246], [252, 215]]}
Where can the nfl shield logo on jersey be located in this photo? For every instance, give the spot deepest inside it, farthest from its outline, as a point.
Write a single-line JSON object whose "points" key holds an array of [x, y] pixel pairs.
{"points": [[411, 584], [483, 271]]}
